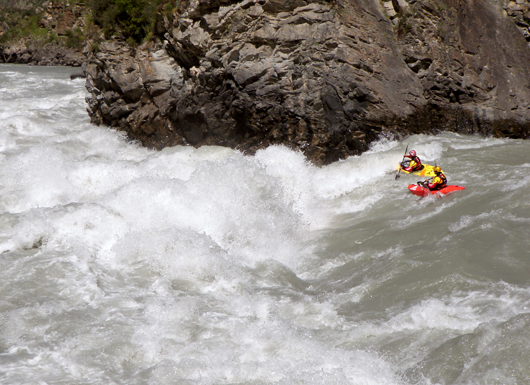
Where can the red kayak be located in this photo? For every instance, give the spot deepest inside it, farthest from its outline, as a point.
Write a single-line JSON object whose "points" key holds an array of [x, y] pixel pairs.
{"points": [[424, 191]]}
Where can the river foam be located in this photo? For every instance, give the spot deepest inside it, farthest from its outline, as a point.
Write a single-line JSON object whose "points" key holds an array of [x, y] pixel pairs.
{"points": [[122, 265]]}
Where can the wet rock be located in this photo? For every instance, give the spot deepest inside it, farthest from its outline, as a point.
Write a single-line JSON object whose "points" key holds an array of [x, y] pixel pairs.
{"points": [[77, 75]]}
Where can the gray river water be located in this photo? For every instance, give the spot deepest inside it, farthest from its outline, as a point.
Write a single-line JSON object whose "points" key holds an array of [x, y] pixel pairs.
{"points": [[122, 265]]}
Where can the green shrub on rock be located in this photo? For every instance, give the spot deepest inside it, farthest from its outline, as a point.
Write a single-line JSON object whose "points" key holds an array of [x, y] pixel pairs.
{"points": [[134, 19]]}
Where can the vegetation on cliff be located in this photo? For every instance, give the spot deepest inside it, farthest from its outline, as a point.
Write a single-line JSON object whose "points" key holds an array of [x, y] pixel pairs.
{"points": [[41, 22], [16, 23], [134, 19], [55, 32]]}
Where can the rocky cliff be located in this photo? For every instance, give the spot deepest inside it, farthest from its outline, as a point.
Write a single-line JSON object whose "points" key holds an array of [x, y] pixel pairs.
{"points": [[325, 77]]}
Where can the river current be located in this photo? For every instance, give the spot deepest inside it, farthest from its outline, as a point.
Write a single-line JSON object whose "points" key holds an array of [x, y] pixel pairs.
{"points": [[123, 265]]}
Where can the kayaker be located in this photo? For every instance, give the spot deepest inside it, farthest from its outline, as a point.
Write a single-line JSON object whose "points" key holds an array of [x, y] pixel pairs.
{"points": [[438, 182], [414, 162]]}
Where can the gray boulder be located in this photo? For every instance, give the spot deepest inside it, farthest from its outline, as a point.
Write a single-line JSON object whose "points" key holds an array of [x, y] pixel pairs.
{"points": [[324, 77]]}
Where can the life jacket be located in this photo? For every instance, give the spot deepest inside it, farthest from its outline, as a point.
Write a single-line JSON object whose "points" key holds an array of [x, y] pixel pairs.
{"points": [[441, 182], [418, 165]]}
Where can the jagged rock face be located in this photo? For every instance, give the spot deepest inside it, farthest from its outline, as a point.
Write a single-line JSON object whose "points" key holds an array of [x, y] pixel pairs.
{"points": [[325, 77], [48, 55]]}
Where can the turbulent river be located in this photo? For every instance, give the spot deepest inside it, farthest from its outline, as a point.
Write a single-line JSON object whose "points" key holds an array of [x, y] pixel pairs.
{"points": [[122, 265]]}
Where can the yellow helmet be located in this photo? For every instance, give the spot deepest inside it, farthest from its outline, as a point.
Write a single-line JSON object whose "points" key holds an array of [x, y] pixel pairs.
{"points": [[437, 169]]}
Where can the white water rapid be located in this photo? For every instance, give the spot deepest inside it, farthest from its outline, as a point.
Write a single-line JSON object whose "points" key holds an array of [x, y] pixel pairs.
{"points": [[122, 265]]}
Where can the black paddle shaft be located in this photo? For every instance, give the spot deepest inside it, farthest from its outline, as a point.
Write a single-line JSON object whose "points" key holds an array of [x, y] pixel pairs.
{"points": [[399, 170]]}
